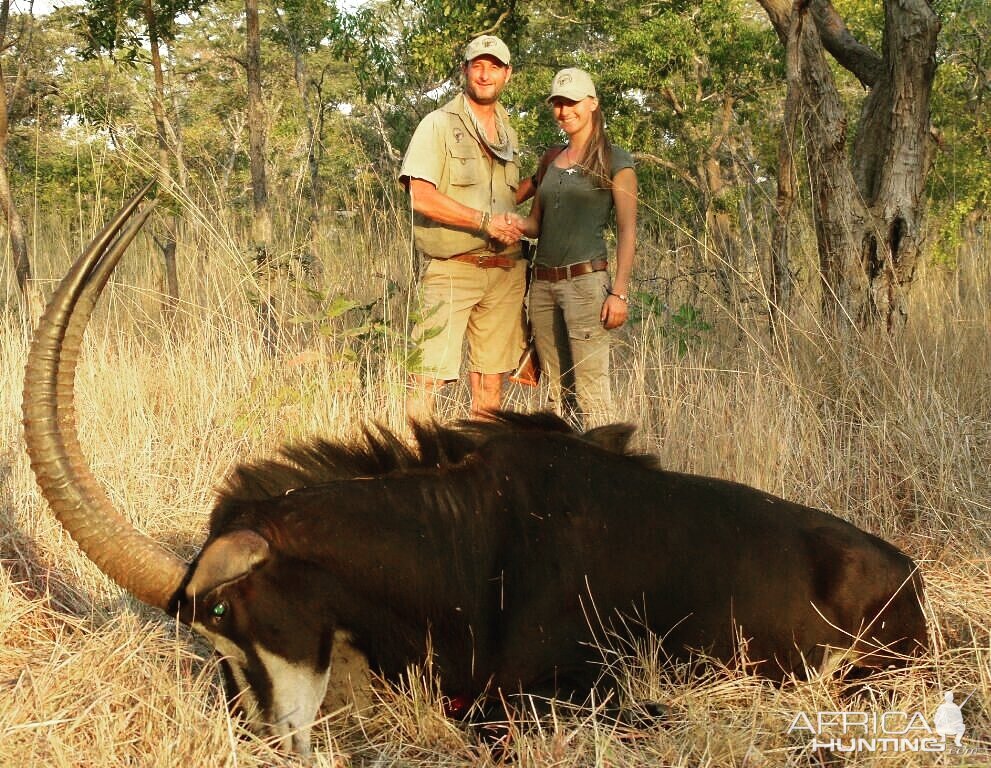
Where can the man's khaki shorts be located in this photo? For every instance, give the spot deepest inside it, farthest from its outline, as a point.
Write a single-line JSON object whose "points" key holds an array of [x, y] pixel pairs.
{"points": [[484, 305]]}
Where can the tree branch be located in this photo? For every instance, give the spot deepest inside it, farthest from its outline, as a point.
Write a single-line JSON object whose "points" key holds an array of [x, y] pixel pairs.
{"points": [[672, 99], [495, 27], [851, 54], [725, 119], [681, 173]]}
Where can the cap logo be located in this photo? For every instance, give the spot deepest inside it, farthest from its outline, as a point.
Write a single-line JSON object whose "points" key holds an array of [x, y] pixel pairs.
{"points": [[564, 79], [488, 43]]}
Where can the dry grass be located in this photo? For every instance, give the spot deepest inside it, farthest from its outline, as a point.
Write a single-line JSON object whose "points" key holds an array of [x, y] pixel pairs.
{"points": [[896, 438]]}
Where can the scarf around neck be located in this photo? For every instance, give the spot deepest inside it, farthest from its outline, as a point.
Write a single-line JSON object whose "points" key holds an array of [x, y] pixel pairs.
{"points": [[502, 147]]}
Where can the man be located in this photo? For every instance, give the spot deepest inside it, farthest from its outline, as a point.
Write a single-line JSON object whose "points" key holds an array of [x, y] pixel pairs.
{"points": [[461, 170]]}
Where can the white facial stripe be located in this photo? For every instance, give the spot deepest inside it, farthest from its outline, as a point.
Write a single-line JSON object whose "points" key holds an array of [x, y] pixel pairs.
{"points": [[245, 696], [297, 691]]}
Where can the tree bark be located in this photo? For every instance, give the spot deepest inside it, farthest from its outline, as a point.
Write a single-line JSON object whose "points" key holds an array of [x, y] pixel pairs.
{"points": [[175, 133], [313, 114], [893, 152], [721, 221], [868, 206], [167, 244], [15, 224], [839, 214], [261, 232], [781, 275], [261, 226]]}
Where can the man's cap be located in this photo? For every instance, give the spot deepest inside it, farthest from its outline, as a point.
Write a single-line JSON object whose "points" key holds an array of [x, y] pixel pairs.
{"points": [[573, 84], [487, 45]]}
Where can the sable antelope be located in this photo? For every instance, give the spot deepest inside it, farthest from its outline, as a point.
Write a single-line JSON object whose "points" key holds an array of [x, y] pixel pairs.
{"points": [[495, 540]]}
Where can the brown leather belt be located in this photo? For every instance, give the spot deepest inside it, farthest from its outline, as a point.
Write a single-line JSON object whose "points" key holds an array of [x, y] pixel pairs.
{"points": [[487, 259], [553, 274]]}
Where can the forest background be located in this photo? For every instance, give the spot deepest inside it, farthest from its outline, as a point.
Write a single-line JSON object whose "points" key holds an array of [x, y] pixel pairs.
{"points": [[290, 119]]}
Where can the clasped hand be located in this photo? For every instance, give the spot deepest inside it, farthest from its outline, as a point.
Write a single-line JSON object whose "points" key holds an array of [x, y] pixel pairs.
{"points": [[505, 228]]}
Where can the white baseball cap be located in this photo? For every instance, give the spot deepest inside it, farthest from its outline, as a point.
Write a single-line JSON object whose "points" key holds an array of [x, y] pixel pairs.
{"points": [[487, 45], [573, 84]]}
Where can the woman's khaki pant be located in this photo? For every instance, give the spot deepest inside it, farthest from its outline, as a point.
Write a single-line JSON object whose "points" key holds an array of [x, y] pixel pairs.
{"points": [[572, 344]]}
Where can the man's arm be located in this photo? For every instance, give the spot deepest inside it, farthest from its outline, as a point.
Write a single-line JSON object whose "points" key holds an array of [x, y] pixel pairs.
{"points": [[436, 206]]}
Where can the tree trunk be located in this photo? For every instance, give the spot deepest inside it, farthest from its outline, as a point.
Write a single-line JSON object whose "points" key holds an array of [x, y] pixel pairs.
{"points": [[313, 134], [722, 227], [15, 224], [893, 152], [838, 212], [781, 274], [234, 124], [717, 185], [261, 232], [175, 133], [868, 207], [261, 227], [167, 244]]}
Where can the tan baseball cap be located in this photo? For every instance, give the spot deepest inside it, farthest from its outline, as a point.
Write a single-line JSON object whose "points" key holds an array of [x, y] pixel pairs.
{"points": [[573, 84], [487, 45]]}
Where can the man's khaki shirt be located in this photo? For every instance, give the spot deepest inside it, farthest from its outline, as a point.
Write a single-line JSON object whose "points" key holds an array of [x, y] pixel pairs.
{"points": [[446, 151]]}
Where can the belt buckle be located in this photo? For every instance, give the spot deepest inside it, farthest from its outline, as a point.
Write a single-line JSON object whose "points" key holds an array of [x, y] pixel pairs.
{"points": [[481, 257]]}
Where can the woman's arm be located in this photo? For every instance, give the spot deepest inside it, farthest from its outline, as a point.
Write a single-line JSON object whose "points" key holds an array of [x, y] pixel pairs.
{"points": [[615, 310], [530, 226], [526, 190]]}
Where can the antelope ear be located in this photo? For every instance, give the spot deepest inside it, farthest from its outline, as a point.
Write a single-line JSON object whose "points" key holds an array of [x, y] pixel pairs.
{"points": [[225, 559]]}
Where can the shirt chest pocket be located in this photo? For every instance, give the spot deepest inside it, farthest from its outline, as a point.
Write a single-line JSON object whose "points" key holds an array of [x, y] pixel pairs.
{"points": [[512, 174], [466, 165]]}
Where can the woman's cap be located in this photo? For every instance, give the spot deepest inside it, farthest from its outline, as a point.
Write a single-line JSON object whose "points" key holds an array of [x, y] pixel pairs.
{"points": [[573, 84], [487, 45]]}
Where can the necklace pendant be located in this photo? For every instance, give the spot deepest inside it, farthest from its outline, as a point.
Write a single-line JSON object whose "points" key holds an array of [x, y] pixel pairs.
{"points": [[570, 171]]}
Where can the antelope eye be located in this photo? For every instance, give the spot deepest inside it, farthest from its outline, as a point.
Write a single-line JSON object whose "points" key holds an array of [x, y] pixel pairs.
{"points": [[219, 611]]}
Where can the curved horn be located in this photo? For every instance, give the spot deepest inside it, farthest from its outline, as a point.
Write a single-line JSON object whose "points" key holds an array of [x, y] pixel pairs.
{"points": [[132, 559]]}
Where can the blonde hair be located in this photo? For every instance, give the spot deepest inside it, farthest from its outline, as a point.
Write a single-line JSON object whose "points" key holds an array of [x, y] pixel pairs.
{"points": [[597, 160]]}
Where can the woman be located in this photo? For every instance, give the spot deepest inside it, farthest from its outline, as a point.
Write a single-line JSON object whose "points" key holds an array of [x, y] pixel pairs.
{"points": [[572, 304]]}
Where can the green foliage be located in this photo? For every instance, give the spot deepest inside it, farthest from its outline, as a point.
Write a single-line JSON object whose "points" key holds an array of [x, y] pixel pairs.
{"points": [[864, 19], [302, 25], [419, 316], [59, 118], [121, 27], [665, 69], [960, 185], [363, 329], [403, 49], [684, 326]]}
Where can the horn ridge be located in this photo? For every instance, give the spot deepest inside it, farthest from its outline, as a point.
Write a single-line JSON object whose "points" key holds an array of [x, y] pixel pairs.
{"points": [[131, 558]]}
